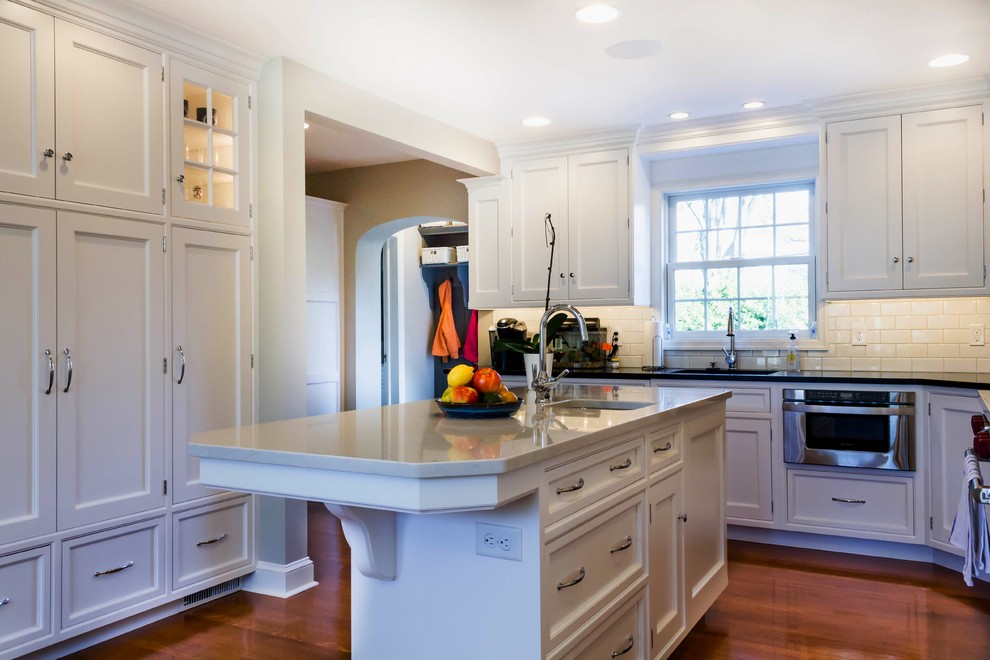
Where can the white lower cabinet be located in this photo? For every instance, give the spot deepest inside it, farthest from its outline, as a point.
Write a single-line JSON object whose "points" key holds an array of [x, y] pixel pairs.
{"points": [[666, 561], [621, 635], [104, 573], [949, 435], [25, 597], [749, 495], [876, 506], [209, 541]]}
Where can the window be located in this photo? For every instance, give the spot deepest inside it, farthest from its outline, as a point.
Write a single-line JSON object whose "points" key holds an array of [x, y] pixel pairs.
{"points": [[746, 248]]}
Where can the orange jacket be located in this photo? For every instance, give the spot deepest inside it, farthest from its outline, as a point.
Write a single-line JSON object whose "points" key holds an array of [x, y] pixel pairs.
{"points": [[446, 343]]}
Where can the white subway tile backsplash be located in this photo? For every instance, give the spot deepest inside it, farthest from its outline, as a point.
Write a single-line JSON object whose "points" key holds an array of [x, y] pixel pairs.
{"points": [[926, 307], [959, 306]]}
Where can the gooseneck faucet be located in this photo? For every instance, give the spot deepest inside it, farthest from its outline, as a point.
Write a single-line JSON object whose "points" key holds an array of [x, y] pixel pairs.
{"points": [[730, 355], [542, 382]]}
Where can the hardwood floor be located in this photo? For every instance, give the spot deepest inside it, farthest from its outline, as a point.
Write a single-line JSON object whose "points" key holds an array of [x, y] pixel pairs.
{"points": [[780, 603]]}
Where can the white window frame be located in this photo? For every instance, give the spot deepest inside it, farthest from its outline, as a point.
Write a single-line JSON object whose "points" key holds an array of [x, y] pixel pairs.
{"points": [[808, 339]]}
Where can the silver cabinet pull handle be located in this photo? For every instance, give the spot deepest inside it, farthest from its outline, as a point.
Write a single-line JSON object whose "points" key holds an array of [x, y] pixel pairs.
{"points": [[666, 447], [111, 571], [51, 370], [571, 583], [181, 178], [847, 500], [182, 365], [211, 541], [619, 548], [68, 370], [625, 464], [570, 489], [683, 517], [4, 602], [48, 153], [630, 641], [67, 156]]}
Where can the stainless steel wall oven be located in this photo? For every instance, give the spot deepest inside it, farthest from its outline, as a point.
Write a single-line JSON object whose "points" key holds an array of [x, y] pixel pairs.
{"points": [[850, 428]]}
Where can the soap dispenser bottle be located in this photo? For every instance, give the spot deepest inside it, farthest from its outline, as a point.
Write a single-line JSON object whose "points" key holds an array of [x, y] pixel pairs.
{"points": [[793, 357]]}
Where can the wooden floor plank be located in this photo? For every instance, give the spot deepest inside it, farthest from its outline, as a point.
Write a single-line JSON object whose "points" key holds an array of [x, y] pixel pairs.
{"points": [[786, 603]]}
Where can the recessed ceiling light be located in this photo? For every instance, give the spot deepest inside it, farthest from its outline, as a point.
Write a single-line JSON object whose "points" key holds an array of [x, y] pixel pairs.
{"points": [[678, 115], [535, 121], [949, 60], [305, 125], [635, 49], [597, 14], [753, 105]]}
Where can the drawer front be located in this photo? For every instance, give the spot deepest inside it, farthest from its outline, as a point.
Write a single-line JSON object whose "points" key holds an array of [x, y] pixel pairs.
{"points": [[111, 570], [575, 485], [872, 504], [622, 635], [589, 566], [25, 597], [211, 540], [664, 447], [748, 400]]}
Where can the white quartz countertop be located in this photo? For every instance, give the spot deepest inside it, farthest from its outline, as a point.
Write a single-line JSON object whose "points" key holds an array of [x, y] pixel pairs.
{"points": [[417, 440]]}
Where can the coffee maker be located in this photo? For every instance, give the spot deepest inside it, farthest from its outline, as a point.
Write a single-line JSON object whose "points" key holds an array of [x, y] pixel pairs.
{"points": [[507, 329]]}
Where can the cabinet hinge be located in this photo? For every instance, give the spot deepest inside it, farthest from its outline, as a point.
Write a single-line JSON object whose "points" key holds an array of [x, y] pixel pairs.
{"points": [[826, 137], [163, 197], [164, 365], [651, 637], [250, 210], [771, 506], [163, 74], [931, 522], [252, 360], [164, 243], [826, 279], [929, 408], [251, 251], [249, 101], [165, 487]]}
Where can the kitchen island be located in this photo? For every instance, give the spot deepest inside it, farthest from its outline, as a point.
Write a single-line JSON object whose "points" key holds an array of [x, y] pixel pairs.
{"points": [[593, 523]]}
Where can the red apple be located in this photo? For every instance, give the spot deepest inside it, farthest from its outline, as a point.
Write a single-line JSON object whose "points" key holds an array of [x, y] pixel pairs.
{"points": [[486, 380], [463, 394]]}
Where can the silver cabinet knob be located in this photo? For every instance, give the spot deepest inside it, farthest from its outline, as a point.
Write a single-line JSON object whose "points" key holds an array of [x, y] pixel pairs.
{"points": [[181, 178], [572, 274], [897, 260], [910, 260], [67, 156], [48, 153]]}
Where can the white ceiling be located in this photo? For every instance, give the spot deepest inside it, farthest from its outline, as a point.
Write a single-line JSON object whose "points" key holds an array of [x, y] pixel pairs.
{"points": [[484, 65]]}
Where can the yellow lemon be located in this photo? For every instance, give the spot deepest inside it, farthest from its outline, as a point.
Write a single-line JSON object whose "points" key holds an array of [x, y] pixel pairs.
{"points": [[460, 375]]}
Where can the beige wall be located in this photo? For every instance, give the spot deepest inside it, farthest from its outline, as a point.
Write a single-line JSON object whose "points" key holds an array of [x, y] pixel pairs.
{"points": [[381, 200]]}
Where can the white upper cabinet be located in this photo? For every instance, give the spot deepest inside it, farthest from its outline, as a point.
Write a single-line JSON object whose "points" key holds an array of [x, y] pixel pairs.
{"points": [[27, 105], [210, 124], [587, 197], [108, 121], [905, 204], [489, 243]]}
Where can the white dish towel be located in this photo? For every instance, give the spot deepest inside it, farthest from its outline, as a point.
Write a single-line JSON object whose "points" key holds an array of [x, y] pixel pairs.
{"points": [[969, 528]]}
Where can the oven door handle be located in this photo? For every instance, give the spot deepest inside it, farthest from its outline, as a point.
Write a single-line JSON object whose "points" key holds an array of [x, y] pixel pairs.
{"points": [[886, 411]]}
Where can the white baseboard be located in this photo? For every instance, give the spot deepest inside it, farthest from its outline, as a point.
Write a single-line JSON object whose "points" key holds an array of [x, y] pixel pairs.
{"points": [[281, 580]]}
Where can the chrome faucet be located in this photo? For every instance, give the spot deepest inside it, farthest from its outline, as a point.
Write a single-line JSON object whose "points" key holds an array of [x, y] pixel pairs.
{"points": [[542, 382], [730, 355]]}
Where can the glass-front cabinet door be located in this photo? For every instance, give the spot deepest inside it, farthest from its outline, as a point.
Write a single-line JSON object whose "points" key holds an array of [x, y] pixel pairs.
{"points": [[210, 137]]}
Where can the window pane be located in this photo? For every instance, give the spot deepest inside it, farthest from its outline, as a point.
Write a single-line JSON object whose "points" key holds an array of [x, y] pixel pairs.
{"points": [[793, 206], [723, 212], [689, 316], [722, 244], [718, 314], [792, 313], [792, 240], [690, 246], [757, 210], [723, 283], [791, 280], [754, 314], [689, 284], [689, 215], [756, 282], [756, 243]]}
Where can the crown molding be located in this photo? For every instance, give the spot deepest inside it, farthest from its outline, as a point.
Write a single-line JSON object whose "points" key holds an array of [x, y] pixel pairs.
{"points": [[901, 99], [616, 138], [128, 22]]}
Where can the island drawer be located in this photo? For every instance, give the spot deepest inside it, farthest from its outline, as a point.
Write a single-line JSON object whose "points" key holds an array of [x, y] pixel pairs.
{"points": [[851, 502], [589, 566], [210, 540], [575, 485], [107, 571], [621, 635], [748, 400], [664, 447], [25, 600]]}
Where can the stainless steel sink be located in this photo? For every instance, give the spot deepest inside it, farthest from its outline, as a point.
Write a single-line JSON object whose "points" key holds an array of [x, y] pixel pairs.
{"points": [[724, 372], [600, 404]]}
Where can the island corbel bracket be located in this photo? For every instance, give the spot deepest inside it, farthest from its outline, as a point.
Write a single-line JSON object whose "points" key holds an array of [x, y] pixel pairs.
{"points": [[371, 535]]}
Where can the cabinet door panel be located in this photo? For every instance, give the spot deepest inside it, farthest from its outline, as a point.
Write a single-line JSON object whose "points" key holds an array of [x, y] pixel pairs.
{"points": [[949, 434], [27, 105], [598, 226], [111, 320], [27, 406], [749, 495], [943, 198], [110, 119], [864, 205], [489, 243], [211, 321], [666, 578], [538, 187]]}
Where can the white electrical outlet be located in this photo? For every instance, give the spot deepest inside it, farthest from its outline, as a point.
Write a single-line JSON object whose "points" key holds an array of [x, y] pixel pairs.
{"points": [[976, 337], [498, 541], [859, 337]]}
